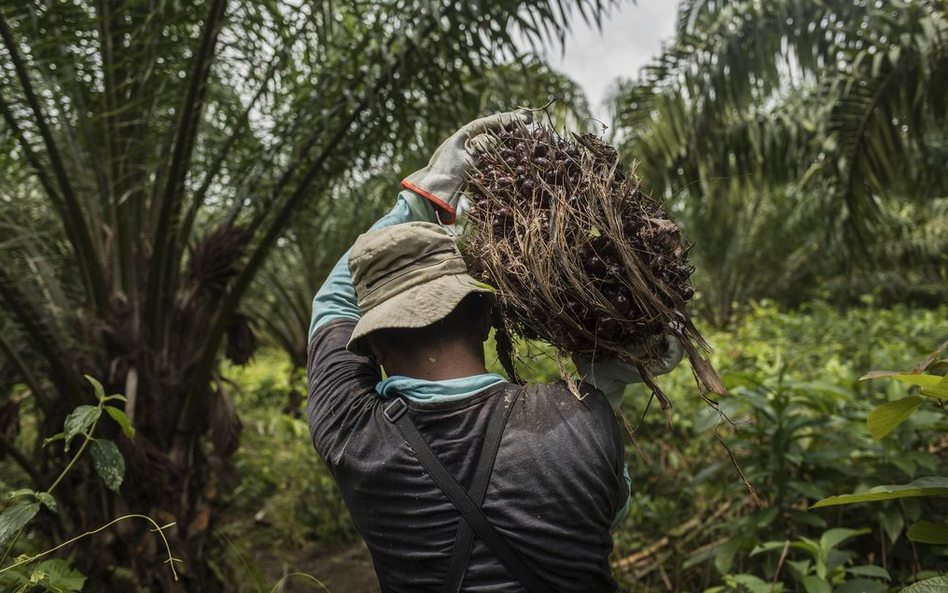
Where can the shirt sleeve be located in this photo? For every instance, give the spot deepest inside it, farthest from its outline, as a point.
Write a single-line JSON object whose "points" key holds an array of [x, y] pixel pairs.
{"points": [[336, 298], [341, 384], [625, 493], [341, 388], [624, 511]]}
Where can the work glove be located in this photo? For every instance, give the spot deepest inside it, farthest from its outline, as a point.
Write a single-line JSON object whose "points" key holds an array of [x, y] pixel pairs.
{"points": [[611, 375], [420, 209], [442, 179]]}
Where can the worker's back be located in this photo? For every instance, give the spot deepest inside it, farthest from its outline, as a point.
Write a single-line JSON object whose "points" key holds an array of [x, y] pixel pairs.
{"points": [[555, 488]]}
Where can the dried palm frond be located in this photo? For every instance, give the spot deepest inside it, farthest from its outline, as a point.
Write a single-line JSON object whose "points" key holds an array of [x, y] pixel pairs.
{"points": [[217, 258], [241, 340]]}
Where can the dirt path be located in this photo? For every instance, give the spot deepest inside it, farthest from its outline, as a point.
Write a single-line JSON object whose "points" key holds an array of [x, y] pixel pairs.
{"points": [[341, 570]]}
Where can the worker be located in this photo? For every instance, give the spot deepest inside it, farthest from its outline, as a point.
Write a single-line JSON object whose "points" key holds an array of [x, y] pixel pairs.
{"points": [[456, 479]]}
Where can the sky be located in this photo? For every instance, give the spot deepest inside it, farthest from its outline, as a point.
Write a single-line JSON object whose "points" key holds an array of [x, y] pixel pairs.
{"points": [[631, 35]]}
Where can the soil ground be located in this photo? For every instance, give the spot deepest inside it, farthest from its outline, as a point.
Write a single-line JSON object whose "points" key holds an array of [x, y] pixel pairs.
{"points": [[340, 570]]}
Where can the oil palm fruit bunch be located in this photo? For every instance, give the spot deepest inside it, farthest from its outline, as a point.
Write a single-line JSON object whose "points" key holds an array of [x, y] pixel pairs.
{"points": [[580, 257]]}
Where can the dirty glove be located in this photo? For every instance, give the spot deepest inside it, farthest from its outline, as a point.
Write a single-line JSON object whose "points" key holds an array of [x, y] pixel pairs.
{"points": [[419, 209], [442, 179], [611, 375]]}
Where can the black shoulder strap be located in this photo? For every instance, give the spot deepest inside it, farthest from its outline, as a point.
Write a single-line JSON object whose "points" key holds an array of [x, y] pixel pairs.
{"points": [[461, 555], [471, 511]]}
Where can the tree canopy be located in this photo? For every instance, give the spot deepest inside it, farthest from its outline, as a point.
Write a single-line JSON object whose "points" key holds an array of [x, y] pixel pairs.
{"points": [[793, 136]]}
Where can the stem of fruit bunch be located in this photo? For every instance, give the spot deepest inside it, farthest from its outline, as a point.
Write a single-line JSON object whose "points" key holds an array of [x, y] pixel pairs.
{"points": [[737, 466], [87, 436], [543, 108]]}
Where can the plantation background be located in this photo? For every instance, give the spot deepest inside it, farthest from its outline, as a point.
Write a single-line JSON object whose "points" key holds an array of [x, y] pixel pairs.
{"points": [[178, 177]]}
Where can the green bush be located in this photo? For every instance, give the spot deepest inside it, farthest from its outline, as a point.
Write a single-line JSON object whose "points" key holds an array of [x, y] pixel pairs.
{"points": [[282, 483], [795, 422]]}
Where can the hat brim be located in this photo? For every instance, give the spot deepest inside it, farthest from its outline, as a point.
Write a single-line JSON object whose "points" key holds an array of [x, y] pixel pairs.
{"points": [[419, 306]]}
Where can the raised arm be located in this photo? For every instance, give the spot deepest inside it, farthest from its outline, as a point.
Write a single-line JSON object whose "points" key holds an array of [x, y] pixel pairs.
{"points": [[430, 191], [336, 298]]}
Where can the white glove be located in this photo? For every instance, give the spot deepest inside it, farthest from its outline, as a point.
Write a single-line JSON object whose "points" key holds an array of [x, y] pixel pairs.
{"points": [[611, 375], [442, 179]]}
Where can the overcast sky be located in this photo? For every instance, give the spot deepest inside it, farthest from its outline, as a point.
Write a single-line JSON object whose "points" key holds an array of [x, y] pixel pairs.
{"points": [[631, 35]]}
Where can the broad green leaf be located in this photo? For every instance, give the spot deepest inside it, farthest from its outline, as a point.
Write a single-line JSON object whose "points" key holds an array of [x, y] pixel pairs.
{"points": [[122, 419], [870, 570], [20, 492], [932, 585], [814, 584], [79, 421], [108, 462], [920, 380], [832, 538], [940, 390], [61, 576], [930, 385], [893, 522], [931, 486], [926, 532], [807, 545], [99, 391], [917, 379], [724, 555], [836, 559], [862, 586], [754, 584], [768, 546], [15, 517], [47, 499], [885, 418], [907, 465], [799, 568]]}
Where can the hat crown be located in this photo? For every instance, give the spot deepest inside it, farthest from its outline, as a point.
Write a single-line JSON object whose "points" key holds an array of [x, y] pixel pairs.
{"points": [[407, 275], [391, 260]]}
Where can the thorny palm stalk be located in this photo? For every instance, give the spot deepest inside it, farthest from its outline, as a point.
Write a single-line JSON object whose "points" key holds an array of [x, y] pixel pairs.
{"points": [[140, 121]]}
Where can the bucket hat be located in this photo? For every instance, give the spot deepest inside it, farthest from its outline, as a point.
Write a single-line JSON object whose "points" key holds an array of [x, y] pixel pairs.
{"points": [[407, 275]]}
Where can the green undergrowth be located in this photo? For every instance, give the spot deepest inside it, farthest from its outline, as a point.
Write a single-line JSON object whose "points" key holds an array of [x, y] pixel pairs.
{"points": [[795, 424], [282, 499]]}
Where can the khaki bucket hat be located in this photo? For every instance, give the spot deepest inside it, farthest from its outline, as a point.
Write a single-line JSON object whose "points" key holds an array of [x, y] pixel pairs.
{"points": [[406, 275]]}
